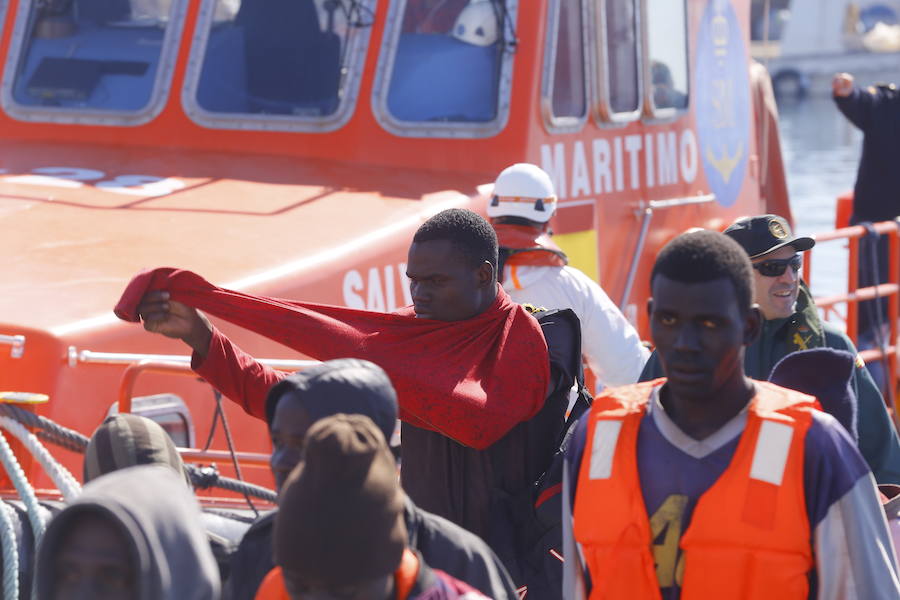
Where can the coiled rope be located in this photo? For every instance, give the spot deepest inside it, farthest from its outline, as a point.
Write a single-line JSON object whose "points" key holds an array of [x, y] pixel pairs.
{"points": [[48, 430], [204, 477], [26, 492], [10, 552], [62, 478], [70, 439]]}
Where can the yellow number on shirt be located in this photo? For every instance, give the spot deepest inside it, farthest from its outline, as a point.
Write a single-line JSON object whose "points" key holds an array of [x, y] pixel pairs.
{"points": [[665, 525]]}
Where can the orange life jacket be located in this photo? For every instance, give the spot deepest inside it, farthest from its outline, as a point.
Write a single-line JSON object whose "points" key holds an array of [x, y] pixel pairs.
{"points": [[527, 246], [749, 535], [272, 587]]}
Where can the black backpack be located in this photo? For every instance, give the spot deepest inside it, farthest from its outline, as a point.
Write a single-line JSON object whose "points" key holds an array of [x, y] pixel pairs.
{"points": [[536, 559]]}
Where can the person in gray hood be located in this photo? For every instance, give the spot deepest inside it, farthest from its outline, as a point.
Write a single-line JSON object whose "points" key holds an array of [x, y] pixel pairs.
{"points": [[133, 533], [126, 440]]}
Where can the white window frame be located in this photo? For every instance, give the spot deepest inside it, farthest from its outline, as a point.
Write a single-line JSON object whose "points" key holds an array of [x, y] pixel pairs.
{"points": [[566, 124], [604, 114], [650, 111], [162, 84], [428, 129], [355, 63]]}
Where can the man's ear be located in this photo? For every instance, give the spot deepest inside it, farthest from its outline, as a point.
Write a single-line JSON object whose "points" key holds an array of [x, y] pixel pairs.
{"points": [[752, 324], [486, 274], [649, 306]]}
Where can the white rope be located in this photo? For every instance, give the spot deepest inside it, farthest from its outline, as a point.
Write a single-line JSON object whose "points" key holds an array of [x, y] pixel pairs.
{"points": [[10, 552], [62, 478], [26, 492]]}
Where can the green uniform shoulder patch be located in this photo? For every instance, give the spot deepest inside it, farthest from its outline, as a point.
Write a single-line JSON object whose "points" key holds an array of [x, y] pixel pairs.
{"points": [[531, 308]]}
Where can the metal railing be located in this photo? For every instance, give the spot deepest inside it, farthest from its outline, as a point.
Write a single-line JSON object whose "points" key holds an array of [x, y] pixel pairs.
{"points": [[126, 388], [17, 342], [889, 290], [646, 211], [77, 356]]}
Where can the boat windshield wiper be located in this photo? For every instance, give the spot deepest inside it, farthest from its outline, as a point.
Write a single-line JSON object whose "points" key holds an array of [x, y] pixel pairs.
{"points": [[509, 39], [357, 12]]}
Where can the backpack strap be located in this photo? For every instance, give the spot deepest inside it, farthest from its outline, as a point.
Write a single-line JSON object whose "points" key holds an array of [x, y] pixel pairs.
{"points": [[584, 399]]}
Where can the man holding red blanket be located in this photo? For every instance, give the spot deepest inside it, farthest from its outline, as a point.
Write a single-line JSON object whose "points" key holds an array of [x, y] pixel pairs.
{"points": [[482, 385]]}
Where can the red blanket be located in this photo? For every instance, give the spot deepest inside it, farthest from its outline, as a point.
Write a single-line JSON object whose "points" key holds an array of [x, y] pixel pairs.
{"points": [[471, 380]]}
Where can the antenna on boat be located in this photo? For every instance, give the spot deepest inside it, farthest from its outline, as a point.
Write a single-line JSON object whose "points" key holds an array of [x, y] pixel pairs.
{"points": [[358, 13], [508, 37], [764, 151], [234, 461]]}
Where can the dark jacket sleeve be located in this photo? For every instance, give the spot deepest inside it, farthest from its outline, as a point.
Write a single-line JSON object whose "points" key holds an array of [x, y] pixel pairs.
{"points": [[857, 107], [458, 552], [878, 441], [652, 370], [252, 560]]}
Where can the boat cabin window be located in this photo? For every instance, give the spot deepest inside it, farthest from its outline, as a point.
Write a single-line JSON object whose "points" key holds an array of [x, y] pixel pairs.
{"points": [[668, 49], [564, 75], [277, 64], [169, 411], [769, 25], [105, 61], [445, 67], [620, 88]]}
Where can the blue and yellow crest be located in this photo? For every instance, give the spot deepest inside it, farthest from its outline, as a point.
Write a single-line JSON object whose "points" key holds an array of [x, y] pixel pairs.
{"points": [[722, 91]]}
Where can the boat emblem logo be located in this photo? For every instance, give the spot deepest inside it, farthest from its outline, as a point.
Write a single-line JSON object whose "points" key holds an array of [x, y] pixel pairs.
{"points": [[725, 164], [723, 103], [777, 229]]}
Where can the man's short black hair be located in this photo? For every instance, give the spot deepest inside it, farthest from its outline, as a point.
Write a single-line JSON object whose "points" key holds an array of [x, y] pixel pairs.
{"points": [[466, 230], [702, 256]]}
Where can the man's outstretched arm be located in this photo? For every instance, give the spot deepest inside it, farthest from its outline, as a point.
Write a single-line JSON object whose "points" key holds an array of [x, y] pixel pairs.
{"points": [[159, 314], [474, 406], [236, 374], [856, 104]]}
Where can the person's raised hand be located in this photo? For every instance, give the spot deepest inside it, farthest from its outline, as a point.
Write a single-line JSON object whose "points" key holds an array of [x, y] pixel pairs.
{"points": [[842, 85], [173, 319]]}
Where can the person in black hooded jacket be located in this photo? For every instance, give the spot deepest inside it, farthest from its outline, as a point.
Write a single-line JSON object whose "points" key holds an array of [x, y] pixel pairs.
{"points": [[353, 386], [340, 530], [875, 111]]}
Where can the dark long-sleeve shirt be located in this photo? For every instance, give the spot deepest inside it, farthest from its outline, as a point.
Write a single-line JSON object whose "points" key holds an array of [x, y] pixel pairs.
{"points": [[876, 112]]}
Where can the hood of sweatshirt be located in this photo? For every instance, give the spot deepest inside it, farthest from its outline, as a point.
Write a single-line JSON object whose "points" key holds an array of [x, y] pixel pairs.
{"points": [[160, 519]]}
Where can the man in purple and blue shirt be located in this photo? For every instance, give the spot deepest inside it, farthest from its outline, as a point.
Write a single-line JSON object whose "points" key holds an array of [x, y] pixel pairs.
{"points": [[702, 317]]}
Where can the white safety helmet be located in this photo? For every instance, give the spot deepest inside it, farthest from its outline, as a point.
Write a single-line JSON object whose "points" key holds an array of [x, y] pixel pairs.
{"points": [[477, 24], [523, 190]]}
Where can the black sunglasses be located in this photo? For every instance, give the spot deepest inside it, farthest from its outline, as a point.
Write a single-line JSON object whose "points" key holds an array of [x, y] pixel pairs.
{"points": [[776, 266]]}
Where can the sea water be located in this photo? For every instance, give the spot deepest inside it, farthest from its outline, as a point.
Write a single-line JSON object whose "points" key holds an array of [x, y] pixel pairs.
{"points": [[821, 151]]}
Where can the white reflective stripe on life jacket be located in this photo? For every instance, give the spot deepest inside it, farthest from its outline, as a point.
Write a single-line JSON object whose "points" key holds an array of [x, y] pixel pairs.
{"points": [[603, 448], [772, 447]]}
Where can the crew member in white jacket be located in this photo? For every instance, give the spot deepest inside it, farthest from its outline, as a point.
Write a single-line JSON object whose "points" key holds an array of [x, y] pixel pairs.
{"points": [[535, 271]]}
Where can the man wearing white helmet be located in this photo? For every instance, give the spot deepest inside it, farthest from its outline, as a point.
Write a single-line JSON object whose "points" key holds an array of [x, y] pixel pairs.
{"points": [[477, 24], [535, 271]]}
